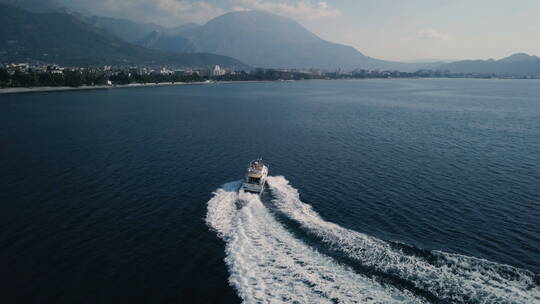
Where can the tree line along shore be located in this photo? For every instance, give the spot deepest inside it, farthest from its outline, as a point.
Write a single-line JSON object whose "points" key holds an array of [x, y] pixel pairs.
{"points": [[89, 77]]}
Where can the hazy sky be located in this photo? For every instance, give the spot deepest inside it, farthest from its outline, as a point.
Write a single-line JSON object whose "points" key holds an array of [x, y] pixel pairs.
{"points": [[386, 29]]}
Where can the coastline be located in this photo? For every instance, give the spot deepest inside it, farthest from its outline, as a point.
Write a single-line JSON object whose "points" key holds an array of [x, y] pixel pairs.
{"points": [[22, 90]]}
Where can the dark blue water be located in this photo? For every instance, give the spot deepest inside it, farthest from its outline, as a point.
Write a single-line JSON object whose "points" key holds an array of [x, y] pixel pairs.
{"points": [[103, 195]]}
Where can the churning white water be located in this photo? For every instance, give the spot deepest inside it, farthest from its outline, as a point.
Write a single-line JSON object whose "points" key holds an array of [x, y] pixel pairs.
{"points": [[450, 277], [268, 264]]}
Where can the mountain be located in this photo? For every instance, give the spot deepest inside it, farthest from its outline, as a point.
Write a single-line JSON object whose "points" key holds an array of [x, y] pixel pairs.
{"points": [[180, 29], [517, 65], [161, 41], [124, 29], [65, 39], [133, 32], [139, 33], [263, 39], [36, 6], [519, 57]]}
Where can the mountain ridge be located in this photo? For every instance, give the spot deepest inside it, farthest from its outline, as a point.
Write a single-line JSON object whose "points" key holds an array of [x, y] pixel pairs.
{"points": [[65, 39], [258, 38], [263, 39], [518, 64], [35, 6], [125, 29], [161, 41]]}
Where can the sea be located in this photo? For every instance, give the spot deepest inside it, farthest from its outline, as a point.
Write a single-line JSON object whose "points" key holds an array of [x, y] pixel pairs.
{"points": [[380, 191]]}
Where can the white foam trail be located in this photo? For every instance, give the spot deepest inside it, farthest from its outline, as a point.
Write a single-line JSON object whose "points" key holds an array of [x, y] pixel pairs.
{"points": [[455, 278], [267, 264]]}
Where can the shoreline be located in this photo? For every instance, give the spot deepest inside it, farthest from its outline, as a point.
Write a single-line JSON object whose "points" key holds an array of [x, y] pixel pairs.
{"points": [[24, 90], [21, 90]]}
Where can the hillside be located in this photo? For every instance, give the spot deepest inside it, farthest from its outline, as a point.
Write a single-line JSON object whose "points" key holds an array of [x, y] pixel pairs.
{"points": [[124, 29], [518, 65], [133, 32], [65, 39], [263, 39], [36, 6], [161, 41]]}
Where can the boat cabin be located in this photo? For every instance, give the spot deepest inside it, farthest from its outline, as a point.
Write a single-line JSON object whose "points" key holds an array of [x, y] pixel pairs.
{"points": [[256, 176]]}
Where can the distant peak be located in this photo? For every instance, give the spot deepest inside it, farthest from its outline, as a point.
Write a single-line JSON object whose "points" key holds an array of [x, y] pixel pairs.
{"points": [[251, 12], [251, 15], [256, 24], [518, 57]]}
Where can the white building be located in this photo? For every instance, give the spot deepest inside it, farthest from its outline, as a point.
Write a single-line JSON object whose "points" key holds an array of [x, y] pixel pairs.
{"points": [[166, 71], [217, 71]]}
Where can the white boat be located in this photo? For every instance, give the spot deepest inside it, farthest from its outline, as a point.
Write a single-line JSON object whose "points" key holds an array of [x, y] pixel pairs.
{"points": [[256, 175]]}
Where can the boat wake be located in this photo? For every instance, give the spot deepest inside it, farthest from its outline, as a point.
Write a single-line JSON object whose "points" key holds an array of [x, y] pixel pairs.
{"points": [[268, 263]]}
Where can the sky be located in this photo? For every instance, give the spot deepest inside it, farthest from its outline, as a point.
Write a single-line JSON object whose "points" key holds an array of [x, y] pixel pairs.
{"points": [[401, 30]]}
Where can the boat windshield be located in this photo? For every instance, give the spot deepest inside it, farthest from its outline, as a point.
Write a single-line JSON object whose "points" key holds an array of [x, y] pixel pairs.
{"points": [[253, 180]]}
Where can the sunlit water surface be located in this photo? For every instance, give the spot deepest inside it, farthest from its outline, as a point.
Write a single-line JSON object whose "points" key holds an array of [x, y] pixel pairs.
{"points": [[382, 191]]}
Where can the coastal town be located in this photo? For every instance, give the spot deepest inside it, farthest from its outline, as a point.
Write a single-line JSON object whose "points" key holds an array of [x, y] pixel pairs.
{"points": [[26, 75]]}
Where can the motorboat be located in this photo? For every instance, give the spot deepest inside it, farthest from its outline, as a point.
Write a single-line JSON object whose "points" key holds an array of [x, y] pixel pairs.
{"points": [[256, 175]]}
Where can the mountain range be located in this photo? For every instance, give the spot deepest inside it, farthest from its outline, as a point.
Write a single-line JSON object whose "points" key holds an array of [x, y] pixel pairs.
{"points": [[262, 39], [257, 38], [35, 6], [162, 41], [519, 64], [252, 38], [133, 32], [67, 39]]}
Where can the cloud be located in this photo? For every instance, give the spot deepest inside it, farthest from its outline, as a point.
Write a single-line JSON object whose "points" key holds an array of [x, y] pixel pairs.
{"points": [[431, 34], [164, 12], [176, 12], [299, 9]]}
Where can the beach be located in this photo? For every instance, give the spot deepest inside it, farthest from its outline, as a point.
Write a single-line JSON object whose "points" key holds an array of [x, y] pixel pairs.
{"points": [[98, 87]]}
